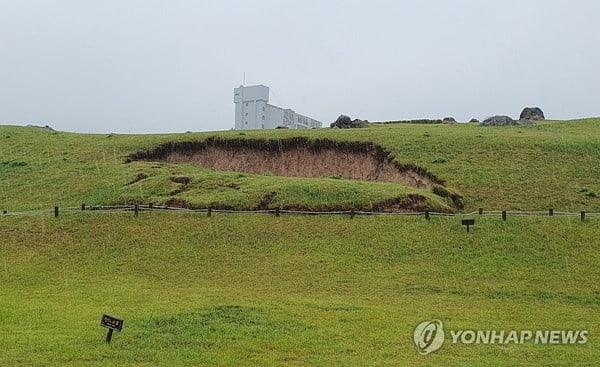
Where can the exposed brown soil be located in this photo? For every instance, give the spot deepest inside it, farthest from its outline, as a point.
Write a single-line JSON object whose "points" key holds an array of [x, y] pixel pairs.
{"points": [[412, 203], [140, 176], [183, 181], [265, 201], [296, 157]]}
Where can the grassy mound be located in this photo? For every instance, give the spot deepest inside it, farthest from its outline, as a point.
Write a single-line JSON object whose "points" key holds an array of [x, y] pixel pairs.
{"points": [[548, 164]]}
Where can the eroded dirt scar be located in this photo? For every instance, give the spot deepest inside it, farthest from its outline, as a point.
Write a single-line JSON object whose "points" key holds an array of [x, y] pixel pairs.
{"points": [[294, 157]]}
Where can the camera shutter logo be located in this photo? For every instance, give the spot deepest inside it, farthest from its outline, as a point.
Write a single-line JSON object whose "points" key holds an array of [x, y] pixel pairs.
{"points": [[429, 336]]}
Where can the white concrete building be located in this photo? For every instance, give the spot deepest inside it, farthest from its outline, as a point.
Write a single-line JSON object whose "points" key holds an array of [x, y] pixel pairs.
{"points": [[252, 111]]}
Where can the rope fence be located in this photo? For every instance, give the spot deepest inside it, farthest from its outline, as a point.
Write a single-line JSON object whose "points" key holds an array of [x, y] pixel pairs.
{"points": [[136, 209]]}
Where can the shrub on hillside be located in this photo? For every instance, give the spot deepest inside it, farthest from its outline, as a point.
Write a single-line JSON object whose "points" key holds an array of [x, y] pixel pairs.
{"points": [[14, 163]]}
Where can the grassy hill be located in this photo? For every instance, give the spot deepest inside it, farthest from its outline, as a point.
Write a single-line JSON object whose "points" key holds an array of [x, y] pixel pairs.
{"points": [[549, 164], [260, 290]]}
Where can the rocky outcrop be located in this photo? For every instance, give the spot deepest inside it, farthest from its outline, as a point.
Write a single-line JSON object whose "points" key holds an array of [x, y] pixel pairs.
{"points": [[345, 122], [532, 114], [449, 120], [499, 121]]}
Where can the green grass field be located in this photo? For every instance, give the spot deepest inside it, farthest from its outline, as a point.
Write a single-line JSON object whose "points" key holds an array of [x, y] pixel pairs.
{"points": [[549, 164], [260, 290], [255, 290]]}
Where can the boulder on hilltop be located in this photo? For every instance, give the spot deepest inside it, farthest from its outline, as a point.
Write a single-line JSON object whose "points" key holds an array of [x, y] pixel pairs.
{"points": [[345, 122], [532, 113], [499, 121], [449, 120]]}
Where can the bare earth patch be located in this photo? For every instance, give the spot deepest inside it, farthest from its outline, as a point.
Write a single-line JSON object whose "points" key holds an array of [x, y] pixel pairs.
{"points": [[303, 157], [297, 157]]}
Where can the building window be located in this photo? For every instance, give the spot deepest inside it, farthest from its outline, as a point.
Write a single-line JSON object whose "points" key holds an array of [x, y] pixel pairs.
{"points": [[263, 109], [246, 104], [246, 113], [246, 122], [263, 117]]}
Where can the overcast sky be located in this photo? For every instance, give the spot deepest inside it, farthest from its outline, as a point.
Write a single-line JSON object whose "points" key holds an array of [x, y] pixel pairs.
{"points": [[171, 65]]}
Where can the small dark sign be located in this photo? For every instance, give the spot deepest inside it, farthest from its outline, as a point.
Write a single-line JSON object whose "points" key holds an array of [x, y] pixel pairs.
{"points": [[468, 223], [111, 323]]}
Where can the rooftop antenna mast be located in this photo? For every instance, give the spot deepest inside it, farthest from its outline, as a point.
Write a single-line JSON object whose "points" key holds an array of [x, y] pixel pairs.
{"points": [[244, 79]]}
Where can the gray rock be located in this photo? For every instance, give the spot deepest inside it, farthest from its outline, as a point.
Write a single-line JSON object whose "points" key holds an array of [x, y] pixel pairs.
{"points": [[345, 122], [474, 120], [449, 120], [532, 113], [500, 121]]}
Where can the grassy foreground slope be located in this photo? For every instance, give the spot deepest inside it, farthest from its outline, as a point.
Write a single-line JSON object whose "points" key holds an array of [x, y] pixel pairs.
{"points": [[255, 290], [549, 164]]}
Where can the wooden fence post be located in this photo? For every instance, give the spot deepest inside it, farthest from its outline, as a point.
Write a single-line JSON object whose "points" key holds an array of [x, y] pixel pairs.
{"points": [[427, 214], [83, 206], [551, 212], [136, 210], [582, 216], [55, 212], [480, 211], [150, 205], [277, 211], [504, 215], [209, 212], [352, 213]]}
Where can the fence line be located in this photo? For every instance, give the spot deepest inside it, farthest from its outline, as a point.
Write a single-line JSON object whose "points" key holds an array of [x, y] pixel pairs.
{"points": [[277, 211]]}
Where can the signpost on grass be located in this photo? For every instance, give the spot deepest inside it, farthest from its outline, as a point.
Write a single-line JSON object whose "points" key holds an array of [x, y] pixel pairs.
{"points": [[468, 223], [112, 323]]}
